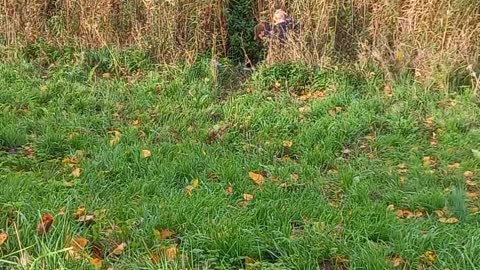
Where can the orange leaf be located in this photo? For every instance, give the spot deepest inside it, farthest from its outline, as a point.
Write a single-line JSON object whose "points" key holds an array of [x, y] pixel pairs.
{"points": [[171, 253], [164, 234], [451, 220], [119, 249], [396, 261], [136, 122], [146, 153], [455, 165], [3, 237], [96, 262], [256, 178], [45, 223], [76, 245], [76, 173]]}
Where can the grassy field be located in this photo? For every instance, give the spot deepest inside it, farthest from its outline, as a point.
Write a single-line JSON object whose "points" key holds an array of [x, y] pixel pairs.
{"points": [[184, 168]]}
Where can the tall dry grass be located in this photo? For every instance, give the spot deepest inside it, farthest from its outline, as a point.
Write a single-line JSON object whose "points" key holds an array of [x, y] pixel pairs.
{"points": [[430, 38]]}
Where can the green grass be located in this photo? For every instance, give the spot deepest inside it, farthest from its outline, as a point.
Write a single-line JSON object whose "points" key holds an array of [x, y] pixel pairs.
{"points": [[336, 209]]}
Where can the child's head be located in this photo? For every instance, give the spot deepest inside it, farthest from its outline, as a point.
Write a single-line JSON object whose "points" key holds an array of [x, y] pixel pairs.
{"points": [[279, 16]]}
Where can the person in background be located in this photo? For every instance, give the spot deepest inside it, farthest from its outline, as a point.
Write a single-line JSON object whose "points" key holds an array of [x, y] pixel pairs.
{"points": [[278, 30]]}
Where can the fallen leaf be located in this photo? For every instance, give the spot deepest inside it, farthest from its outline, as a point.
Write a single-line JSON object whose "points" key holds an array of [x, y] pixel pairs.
{"points": [[45, 224], [96, 262], [428, 160], [115, 138], [429, 257], [86, 220], [388, 90], [195, 183], [75, 246], [402, 179], [146, 153], [470, 183], [106, 75], [451, 220], [29, 152], [141, 134], [439, 213], [171, 253], [391, 207], [229, 190], [476, 153], [76, 173], [472, 195], [247, 197], [294, 177], [73, 161], [468, 175], [396, 261], [256, 178], [62, 211], [305, 109], [80, 212], [119, 249], [164, 234], [43, 88], [287, 144], [188, 190], [3, 237], [474, 210], [455, 165], [136, 122]]}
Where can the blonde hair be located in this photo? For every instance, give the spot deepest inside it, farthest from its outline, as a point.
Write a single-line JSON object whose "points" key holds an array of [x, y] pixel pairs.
{"points": [[279, 16]]}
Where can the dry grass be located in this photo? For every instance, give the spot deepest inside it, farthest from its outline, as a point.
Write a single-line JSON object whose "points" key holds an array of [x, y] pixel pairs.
{"points": [[430, 38]]}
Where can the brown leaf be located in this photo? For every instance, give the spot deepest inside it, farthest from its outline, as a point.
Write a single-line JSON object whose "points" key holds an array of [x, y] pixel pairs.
{"points": [[472, 195], [294, 177], [96, 262], [119, 249], [257, 178], [429, 257], [141, 134], [229, 190], [62, 211], [45, 224], [75, 246], [76, 173], [439, 213], [164, 234], [106, 75], [3, 237], [146, 153], [87, 220], [171, 253], [451, 220]]}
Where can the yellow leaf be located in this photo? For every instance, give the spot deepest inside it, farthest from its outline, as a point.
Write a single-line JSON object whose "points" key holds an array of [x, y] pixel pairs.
{"points": [[287, 144], [470, 183], [3, 237], [164, 234], [439, 213], [80, 212], [468, 175], [76, 173], [96, 262], [391, 207], [115, 138], [195, 183], [428, 160], [136, 122], [429, 257], [119, 249], [146, 153], [256, 178], [451, 220], [86, 219], [188, 190], [247, 197]]}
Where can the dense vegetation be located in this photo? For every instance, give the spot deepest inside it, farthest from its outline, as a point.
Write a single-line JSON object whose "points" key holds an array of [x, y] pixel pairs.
{"points": [[169, 167]]}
